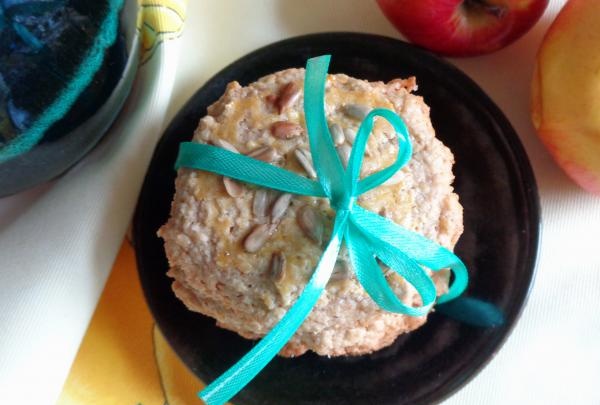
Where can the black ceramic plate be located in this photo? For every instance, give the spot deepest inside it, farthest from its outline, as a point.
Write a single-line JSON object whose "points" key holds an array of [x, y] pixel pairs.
{"points": [[496, 187]]}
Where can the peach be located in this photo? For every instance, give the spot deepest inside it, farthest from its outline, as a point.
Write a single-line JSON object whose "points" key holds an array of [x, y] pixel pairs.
{"points": [[565, 102]]}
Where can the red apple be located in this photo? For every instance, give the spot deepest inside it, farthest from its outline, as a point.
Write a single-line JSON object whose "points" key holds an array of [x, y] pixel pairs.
{"points": [[463, 27]]}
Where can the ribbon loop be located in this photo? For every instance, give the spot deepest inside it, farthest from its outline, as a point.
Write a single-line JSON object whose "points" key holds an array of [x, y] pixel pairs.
{"points": [[360, 143], [370, 275], [422, 250], [328, 166]]}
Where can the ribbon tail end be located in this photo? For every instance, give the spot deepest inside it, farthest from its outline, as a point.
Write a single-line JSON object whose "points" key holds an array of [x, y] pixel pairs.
{"points": [[473, 312]]}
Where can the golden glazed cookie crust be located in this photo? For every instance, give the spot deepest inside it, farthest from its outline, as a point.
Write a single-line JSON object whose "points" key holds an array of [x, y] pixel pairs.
{"points": [[233, 258]]}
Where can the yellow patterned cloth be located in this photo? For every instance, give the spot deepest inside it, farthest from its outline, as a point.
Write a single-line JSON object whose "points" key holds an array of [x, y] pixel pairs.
{"points": [[123, 358], [159, 21]]}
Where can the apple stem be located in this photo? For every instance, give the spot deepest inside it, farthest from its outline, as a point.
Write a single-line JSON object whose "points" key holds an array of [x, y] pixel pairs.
{"points": [[497, 11]]}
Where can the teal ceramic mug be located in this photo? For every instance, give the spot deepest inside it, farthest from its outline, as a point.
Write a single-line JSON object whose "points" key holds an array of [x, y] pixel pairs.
{"points": [[66, 68]]}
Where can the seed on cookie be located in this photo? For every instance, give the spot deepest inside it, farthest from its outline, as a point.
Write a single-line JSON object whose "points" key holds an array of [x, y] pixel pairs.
{"points": [[285, 130], [350, 135], [225, 145], [233, 188], [311, 223], [264, 153], [257, 238], [277, 267], [356, 111], [287, 96], [280, 206], [344, 154], [303, 157], [260, 204], [337, 133]]}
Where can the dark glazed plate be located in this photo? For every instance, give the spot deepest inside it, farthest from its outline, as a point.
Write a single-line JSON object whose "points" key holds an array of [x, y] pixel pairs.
{"points": [[496, 187]]}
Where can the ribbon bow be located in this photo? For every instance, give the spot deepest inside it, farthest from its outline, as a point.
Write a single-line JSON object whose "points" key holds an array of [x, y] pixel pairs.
{"points": [[368, 236]]}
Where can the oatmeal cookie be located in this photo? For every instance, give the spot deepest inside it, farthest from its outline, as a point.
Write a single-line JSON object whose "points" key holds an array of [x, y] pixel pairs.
{"points": [[242, 254]]}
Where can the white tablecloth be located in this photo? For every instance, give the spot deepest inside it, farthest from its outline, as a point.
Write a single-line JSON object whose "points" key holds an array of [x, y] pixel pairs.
{"points": [[58, 241]]}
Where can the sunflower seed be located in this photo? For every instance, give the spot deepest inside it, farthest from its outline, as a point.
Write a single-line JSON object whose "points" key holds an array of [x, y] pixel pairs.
{"points": [[308, 155], [264, 153], [233, 188], [287, 96], [271, 99], [277, 267], [350, 135], [337, 134], [305, 162], [344, 153], [260, 204], [285, 130], [311, 223], [225, 145], [356, 111], [257, 238], [280, 207]]}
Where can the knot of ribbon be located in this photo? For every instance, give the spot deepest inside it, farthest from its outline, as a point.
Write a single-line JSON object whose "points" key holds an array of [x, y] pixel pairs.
{"points": [[368, 236]]}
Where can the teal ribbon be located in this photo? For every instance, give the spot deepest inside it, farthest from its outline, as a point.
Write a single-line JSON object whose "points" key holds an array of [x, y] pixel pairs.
{"points": [[367, 235]]}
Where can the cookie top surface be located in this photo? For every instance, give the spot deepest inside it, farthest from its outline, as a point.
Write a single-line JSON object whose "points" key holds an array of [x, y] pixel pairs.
{"points": [[242, 254]]}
